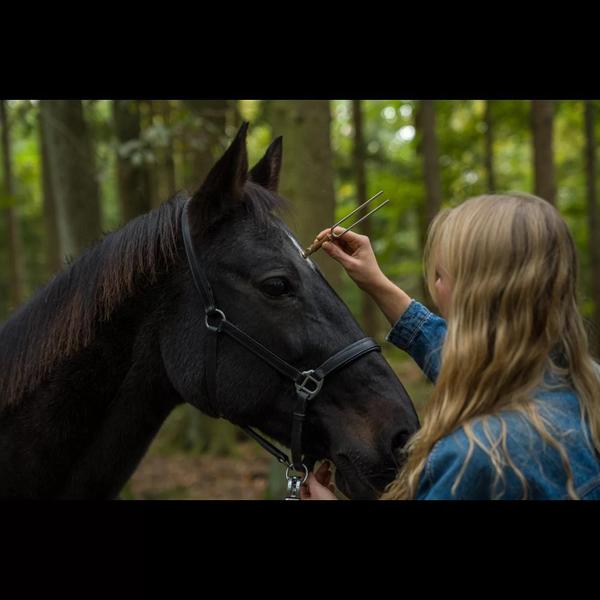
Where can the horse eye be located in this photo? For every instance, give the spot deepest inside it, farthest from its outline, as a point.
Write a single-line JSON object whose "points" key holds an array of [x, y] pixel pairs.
{"points": [[275, 286]]}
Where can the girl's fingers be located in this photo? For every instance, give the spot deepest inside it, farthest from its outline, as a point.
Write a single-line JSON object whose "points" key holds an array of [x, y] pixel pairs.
{"points": [[351, 239], [323, 474], [346, 246], [339, 230], [327, 231], [304, 492], [305, 488], [313, 490]]}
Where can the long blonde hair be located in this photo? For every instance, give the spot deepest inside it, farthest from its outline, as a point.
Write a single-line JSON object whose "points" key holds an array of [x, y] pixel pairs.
{"points": [[513, 316]]}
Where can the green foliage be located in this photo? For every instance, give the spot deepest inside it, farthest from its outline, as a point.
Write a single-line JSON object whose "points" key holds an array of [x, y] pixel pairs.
{"points": [[392, 162]]}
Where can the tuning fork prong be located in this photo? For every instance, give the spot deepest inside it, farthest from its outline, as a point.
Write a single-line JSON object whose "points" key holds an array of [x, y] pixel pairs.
{"points": [[337, 236], [332, 235], [357, 209]]}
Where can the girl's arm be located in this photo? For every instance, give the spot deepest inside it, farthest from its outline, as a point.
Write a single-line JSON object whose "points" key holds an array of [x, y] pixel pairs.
{"points": [[415, 329], [392, 301], [420, 333]]}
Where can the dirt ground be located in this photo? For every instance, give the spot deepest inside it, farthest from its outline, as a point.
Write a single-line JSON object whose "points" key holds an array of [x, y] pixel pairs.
{"points": [[184, 476]]}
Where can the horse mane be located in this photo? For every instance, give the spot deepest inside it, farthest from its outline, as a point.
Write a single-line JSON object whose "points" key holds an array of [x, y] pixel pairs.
{"points": [[62, 317]]}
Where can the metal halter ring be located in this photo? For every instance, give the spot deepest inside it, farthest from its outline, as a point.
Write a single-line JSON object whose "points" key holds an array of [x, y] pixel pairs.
{"points": [[290, 466], [212, 311]]}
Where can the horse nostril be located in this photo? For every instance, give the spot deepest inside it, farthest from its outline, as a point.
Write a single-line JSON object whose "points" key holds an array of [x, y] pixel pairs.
{"points": [[398, 444]]}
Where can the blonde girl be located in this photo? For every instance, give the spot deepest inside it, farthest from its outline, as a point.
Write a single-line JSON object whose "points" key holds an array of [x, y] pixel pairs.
{"points": [[515, 410]]}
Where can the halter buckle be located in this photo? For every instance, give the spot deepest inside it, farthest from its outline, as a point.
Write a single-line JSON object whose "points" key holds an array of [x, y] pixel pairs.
{"points": [[310, 385], [211, 312]]}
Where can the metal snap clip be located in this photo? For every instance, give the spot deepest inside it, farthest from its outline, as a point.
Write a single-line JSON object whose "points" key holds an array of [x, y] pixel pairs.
{"points": [[294, 483]]}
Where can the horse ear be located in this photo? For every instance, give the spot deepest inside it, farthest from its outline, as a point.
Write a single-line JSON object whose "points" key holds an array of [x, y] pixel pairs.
{"points": [[266, 171], [223, 187]]}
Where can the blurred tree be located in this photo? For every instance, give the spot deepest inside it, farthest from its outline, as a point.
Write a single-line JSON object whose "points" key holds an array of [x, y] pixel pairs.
{"points": [[148, 113], [542, 120], [234, 115], [368, 307], [73, 174], [132, 173], [15, 258], [489, 148], [51, 238], [593, 220], [307, 176], [169, 183], [428, 148], [205, 138]]}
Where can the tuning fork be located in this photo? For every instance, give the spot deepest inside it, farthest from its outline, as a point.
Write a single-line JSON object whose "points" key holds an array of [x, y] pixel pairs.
{"points": [[336, 236]]}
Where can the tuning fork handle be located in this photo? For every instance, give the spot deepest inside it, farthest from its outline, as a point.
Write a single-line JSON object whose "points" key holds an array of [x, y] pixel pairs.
{"points": [[316, 245]]}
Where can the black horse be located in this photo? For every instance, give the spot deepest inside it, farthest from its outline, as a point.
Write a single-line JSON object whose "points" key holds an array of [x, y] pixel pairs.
{"points": [[93, 364]]}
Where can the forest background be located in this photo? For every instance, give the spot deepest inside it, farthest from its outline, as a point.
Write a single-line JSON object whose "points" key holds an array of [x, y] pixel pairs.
{"points": [[74, 169]]}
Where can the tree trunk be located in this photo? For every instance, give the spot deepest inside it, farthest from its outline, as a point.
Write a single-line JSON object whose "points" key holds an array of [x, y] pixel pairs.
{"points": [[368, 308], [132, 173], [52, 251], [15, 257], [234, 116], [147, 121], [428, 148], [307, 176], [169, 186], [593, 222], [204, 141], [73, 174], [489, 148], [543, 156]]}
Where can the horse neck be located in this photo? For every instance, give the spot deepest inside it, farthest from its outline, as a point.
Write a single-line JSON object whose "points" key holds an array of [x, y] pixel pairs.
{"points": [[84, 429]]}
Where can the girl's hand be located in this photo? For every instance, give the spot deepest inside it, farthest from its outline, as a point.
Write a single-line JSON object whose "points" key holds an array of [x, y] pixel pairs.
{"points": [[355, 254], [318, 486]]}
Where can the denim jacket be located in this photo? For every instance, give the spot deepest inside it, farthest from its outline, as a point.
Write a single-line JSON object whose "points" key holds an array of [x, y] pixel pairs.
{"points": [[421, 333]]}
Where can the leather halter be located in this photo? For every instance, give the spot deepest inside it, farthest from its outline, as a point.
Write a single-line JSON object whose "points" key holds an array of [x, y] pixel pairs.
{"points": [[307, 383]]}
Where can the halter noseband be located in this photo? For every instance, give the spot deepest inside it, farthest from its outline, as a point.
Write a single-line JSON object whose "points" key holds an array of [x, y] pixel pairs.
{"points": [[307, 383]]}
